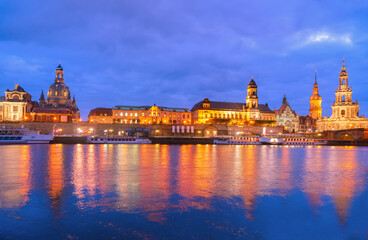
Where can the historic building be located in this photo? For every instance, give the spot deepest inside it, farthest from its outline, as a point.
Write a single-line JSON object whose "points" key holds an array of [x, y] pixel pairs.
{"points": [[15, 105], [287, 118], [307, 124], [315, 110], [100, 115], [249, 112], [345, 112], [151, 115], [59, 106]]}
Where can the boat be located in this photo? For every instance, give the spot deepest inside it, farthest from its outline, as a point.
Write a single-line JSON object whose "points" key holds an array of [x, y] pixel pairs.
{"points": [[271, 140], [117, 140], [237, 140], [23, 136], [289, 139], [299, 139]]}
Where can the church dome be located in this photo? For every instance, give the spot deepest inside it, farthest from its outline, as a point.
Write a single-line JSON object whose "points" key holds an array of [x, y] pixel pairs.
{"points": [[58, 90], [252, 84]]}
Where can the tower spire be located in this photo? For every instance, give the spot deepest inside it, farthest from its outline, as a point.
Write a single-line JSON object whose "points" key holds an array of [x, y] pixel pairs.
{"points": [[315, 76]]}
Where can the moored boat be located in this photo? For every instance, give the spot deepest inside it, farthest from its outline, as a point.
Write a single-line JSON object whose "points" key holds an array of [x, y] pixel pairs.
{"points": [[23, 136], [237, 140], [117, 140]]}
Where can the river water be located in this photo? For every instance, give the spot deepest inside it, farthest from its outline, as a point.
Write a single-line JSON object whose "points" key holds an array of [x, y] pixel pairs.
{"points": [[183, 192]]}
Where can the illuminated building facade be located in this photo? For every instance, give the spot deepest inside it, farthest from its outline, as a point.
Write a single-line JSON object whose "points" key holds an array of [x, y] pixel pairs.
{"points": [[345, 112], [150, 115], [286, 117], [100, 115], [15, 105], [315, 110], [234, 113], [59, 107]]}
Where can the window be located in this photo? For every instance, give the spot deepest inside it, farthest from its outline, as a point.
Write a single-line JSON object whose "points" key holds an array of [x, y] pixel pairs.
{"points": [[121, 114], [116, 114], [342, 112], [15, 108], [164, 114], [142, 114], [131, 114], [126, 114], [136, 114], [15, 117], [56, 93]]}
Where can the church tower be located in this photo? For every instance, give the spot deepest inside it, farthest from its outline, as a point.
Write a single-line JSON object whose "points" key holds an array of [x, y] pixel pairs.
{"points": [[252, 97], [315, 110], [343, 106]]}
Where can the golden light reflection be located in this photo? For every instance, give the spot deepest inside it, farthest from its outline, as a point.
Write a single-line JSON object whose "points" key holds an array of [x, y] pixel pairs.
{"points": [[15, 176], [56, 175]]}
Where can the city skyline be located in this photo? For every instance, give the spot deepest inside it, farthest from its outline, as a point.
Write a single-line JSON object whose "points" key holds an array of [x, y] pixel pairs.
{"points": [[178, 54]]}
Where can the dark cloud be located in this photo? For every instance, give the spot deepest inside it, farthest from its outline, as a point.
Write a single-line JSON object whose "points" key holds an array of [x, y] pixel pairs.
{"points": [[176, 53]]}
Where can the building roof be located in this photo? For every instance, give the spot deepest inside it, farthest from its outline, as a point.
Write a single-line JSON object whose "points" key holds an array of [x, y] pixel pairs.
{"points": [[122, 107], [229, 106], [55, 111], [101, 112], [59, 67]]}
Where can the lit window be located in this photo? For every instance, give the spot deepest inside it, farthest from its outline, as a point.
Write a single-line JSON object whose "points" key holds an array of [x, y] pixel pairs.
{"points": [[136, 114], [126, 114], [15, 108], [131, 114], [142, 114], [121, 114]]}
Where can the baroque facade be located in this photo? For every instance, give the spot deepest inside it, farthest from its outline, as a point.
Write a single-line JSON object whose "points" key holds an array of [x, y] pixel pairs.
{"points": [[345, 112], [141, 115], [234, 113], [15, 106], [287, 118], [59, 106]]}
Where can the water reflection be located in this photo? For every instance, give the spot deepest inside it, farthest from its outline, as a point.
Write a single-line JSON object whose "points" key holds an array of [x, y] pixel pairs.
{"points": [[15, 176], [146, 177], [155, 181]]}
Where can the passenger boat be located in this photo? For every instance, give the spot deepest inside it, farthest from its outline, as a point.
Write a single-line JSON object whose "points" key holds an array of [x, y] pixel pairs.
{"points": [[271, 140], [299, 139], [289, 139], [117, 140], [237, 140], [23, 136]]}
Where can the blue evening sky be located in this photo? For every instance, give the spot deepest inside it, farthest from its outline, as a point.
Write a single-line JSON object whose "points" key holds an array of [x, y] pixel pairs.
{"points": [[177, 52]]}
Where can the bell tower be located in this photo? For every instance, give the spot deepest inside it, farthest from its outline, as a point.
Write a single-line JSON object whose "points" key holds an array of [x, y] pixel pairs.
{"points": [[343, 106], [315, 110], [59, 77], [252, 97]]}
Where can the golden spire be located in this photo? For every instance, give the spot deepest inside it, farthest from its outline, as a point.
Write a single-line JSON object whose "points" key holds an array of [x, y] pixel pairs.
{"points": [[343, 68]]}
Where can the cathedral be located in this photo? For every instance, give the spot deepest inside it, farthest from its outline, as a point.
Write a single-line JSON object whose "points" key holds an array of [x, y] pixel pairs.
{"points": [[249, 112], [345, 112], [59, 106]]}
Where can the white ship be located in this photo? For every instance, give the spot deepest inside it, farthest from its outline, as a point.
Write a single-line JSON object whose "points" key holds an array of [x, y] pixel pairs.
{"points": [[271, 140], [23, 136], [289, 139], [299, 139], [117, 140], [238, 140]]}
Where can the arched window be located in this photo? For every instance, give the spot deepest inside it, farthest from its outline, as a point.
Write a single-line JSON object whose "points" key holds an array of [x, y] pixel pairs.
{"points": [[343, 81], [343, 98], [342, 112]]}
